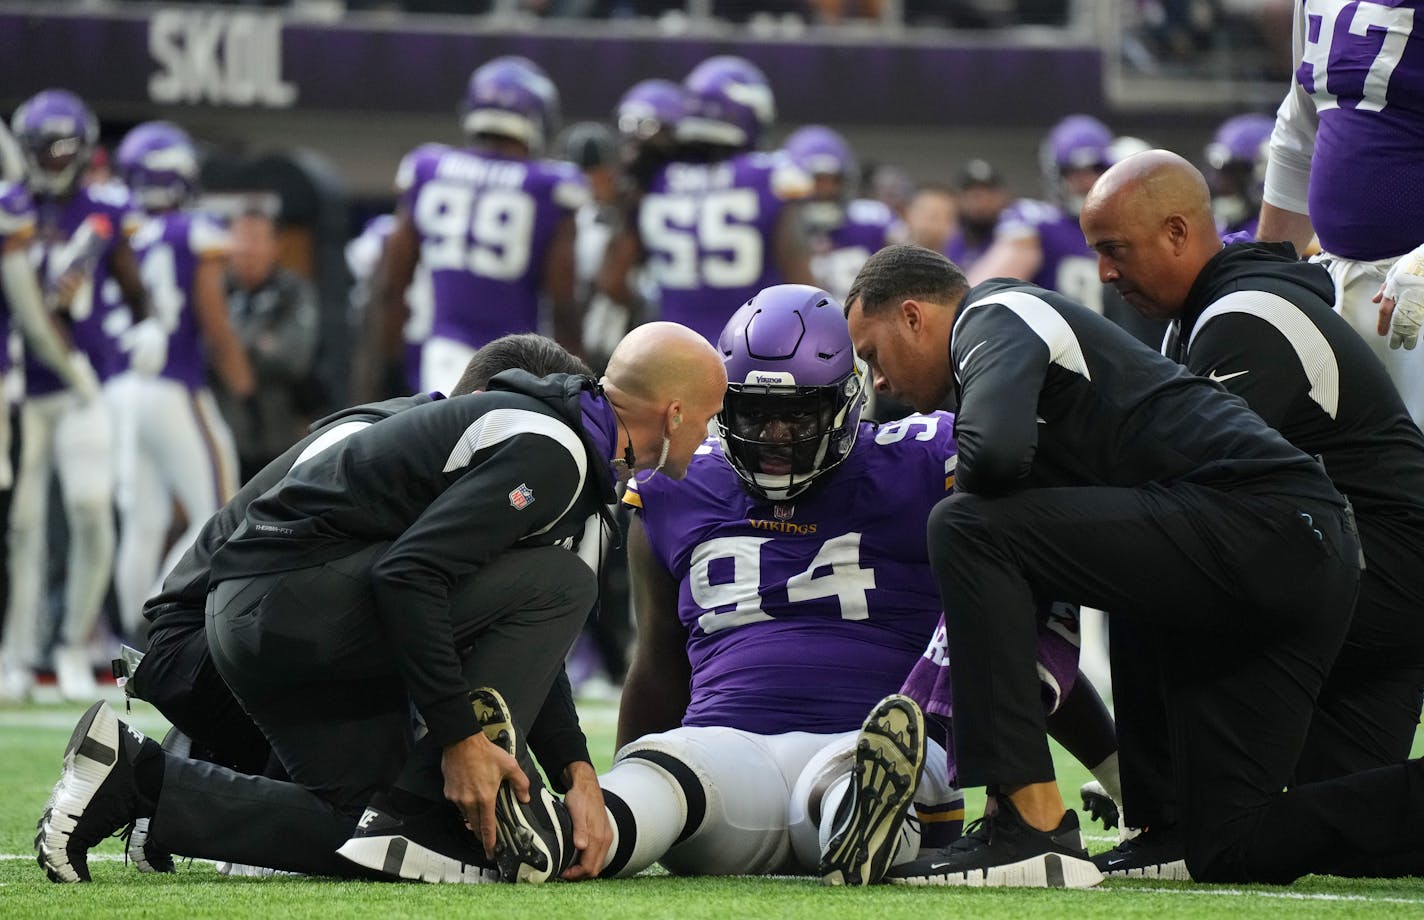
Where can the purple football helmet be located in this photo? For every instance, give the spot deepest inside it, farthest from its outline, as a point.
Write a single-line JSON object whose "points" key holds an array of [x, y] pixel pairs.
{"points": [[512, 97], [159, 164], [1078, 142], [1240, 139], [795, 390], [56, 133], [820, 151], [729, 103], [650, 107]]}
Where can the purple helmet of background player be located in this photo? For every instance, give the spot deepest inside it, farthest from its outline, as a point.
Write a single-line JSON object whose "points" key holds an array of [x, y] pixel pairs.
{"points": [[512, 97], [827, 158], [1076, 151], [159, 164], [729, 103], [1236, 167], [795, 390], [56, 133], [649, 109], [820, 151]]}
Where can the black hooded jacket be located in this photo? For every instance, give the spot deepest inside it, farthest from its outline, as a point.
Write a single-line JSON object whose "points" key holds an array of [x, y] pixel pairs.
{"points": [[450, 484], [1260, 323]]}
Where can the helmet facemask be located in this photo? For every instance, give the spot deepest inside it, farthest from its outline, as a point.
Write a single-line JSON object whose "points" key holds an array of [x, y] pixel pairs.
{"points": [[779, 439]]}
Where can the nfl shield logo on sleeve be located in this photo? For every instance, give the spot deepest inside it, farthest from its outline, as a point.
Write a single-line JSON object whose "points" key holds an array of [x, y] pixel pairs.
{"points": [[521, 497]]}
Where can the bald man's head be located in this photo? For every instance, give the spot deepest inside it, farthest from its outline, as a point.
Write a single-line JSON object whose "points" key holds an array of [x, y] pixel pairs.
{"points": [[1149, 219], [667, 383]]}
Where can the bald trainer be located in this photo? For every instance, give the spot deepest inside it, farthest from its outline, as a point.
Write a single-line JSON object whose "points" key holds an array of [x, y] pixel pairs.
{"points": [[410, 563], [1260, 323]]}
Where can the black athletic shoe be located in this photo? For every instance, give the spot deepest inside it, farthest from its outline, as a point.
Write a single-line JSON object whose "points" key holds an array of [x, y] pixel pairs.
{"points": [[1155, 853], [139, 849], [435, 846], [889, 754], [95, 796], [533, 840], [1004, 851]]}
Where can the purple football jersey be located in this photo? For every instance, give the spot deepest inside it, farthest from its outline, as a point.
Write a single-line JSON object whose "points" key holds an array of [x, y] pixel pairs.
{"points": [[964, 253], [169, 248], [869, 226], [801, 615], [57, 239], [1069, 266], [17, 221], [709, 233], [485, 224], [1363, 66]]}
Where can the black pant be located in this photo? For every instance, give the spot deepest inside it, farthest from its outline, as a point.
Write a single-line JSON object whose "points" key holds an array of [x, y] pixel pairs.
{"points": [[1271, 582], [1366, 714], [178, 677], [304, 653]]}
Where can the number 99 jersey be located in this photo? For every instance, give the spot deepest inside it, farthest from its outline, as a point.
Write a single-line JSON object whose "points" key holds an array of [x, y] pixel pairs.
{"points": [[801, 615], [709, 231], [485, 224]]}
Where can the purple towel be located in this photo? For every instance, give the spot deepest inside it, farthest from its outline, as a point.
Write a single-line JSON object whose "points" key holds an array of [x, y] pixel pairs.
{"points": [[1058, 641]]}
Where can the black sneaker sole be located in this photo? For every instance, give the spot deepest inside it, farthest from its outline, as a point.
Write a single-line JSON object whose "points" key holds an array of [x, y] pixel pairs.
{"points": [[523, 848], [396, 856], [889, 755], [89, 758], [1047, 870]]}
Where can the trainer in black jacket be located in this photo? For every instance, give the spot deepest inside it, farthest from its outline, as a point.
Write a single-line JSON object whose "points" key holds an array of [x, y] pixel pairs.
{"points": [[410, 561], [177, 675], [1259, 322], [1092, 469]]}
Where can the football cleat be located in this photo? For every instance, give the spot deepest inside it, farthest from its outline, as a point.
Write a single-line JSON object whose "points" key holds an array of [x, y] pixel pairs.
{"points": [[432, 847], [889, 754], [95, 795], [534, 839], [1003, 851], [1156, 853]]}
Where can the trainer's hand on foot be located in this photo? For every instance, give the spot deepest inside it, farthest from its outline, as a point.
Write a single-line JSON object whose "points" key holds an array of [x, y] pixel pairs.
{"points": [[592, 833], [473, 770]]}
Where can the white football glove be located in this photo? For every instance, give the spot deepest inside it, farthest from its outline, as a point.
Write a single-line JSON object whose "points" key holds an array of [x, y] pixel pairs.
{"points": [[83, 382], [146, 343], [1405, 286]]}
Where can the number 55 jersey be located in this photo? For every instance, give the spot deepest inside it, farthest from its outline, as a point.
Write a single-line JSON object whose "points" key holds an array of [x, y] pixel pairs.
{"points": [[801, 615], [485, 224]]}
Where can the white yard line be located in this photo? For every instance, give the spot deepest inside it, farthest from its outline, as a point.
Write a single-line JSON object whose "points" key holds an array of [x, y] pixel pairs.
{"points": [[1281, 895]]}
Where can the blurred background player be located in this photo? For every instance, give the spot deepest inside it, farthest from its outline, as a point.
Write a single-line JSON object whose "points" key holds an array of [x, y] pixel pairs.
{"points": [[1346, 156], [593, 148], [714, 226], [81, 241], [844, 229], [274, 312], [932, 216], [1236, 170], [173, 444], [22, 302], [1040, 241], [363, 258], [493, 226], [983, 196], [647, 117]]}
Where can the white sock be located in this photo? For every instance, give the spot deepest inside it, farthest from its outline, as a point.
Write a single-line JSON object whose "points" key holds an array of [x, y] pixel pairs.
{"points": [[658, 807]]}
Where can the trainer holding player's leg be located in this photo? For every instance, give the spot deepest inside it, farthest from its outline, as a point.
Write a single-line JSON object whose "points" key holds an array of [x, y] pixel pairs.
{"points": [[351, 590], [1092, 469]]}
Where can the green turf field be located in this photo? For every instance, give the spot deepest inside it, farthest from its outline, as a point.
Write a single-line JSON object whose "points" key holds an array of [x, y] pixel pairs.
{"points": [[32, 738]]}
